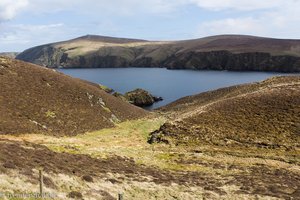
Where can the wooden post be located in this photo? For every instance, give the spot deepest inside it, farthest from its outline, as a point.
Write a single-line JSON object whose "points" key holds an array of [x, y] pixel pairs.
{"points": [[120, 196], [41, 180]]}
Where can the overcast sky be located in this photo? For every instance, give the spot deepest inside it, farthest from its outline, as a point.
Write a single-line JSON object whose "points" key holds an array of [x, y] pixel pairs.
{"points": [[27, 23]]}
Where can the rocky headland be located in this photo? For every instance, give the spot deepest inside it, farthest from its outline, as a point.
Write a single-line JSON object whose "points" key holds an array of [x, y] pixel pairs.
{"points": [[224, 52]]}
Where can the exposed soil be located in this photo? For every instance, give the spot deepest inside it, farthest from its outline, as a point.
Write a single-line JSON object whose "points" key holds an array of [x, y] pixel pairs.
{"points": [[34, 99]]}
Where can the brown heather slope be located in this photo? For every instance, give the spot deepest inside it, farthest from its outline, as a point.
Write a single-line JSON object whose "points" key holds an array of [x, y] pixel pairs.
{"points": [[243, 44], [265, 114], [39, 100]]}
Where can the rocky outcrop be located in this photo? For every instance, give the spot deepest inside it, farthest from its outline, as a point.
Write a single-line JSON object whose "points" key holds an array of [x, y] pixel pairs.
{"points": [[238, 53], [120, 96], [225, 60], [215, 60], [142, 98], [46, 55]]}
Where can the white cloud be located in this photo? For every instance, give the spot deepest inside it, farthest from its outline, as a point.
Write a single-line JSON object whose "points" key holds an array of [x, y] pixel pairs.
{"points": [[22, 35], [239, 4], [33, 28], [271, 18], [117, 7], [246, 25], [278, 22], [9, 8]]}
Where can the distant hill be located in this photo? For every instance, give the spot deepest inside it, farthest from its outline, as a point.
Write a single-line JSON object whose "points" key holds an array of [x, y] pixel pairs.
{"points": [[264, 114], [224, 52], [9, 54], [40, 100]]}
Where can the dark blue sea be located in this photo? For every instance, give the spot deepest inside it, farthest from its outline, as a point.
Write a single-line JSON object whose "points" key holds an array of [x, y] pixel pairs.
{"points": [[169, 84]]}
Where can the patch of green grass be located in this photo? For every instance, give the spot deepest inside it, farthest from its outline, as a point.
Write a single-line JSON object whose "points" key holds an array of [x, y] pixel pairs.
{"points": [[105, 88], [50, 114], [106, 109]]}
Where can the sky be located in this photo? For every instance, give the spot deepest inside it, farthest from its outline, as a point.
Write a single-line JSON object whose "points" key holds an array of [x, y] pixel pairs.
{"points": [[28, 23]]}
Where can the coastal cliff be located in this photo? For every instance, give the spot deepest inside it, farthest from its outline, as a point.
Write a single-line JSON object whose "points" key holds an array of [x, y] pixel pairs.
{"points": [[238, 53]]}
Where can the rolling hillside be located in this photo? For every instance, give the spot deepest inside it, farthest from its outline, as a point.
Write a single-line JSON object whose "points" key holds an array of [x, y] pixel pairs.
{"points": [[35, 99], [225, 52], [9, 54], [262, 115], [240, 142]]}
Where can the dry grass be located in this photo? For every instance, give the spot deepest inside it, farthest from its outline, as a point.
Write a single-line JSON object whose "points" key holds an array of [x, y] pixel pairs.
{"points": [[127, 139], [84, 47], [215, 171]]}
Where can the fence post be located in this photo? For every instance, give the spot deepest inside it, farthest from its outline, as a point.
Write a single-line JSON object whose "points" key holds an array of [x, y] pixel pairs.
{"points": [[41, 180], [120, 196]]}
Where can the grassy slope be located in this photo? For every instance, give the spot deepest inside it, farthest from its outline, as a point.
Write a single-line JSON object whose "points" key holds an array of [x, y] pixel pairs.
{"points": [[105, 46], [233, 43]]}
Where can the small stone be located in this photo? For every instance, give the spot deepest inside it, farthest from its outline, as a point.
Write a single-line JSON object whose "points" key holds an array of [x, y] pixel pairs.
{"points": [[75, 195], [88, 178]]}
